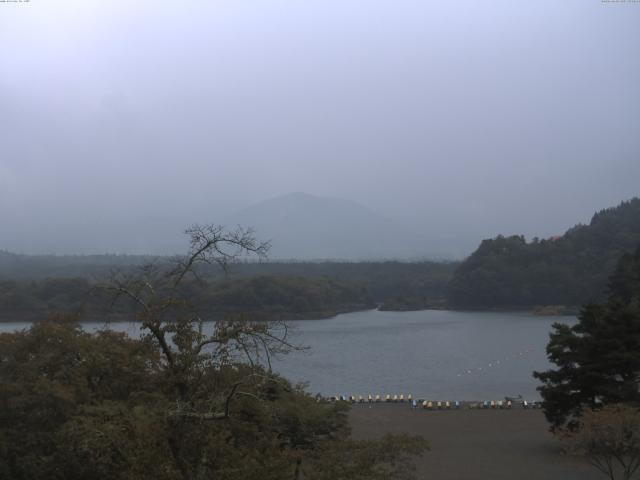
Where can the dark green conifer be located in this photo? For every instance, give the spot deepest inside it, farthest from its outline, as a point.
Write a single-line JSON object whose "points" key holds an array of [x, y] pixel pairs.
{"points": [[598, 359]]}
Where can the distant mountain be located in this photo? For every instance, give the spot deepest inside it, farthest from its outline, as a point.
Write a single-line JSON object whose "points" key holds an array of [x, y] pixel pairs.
{"points": [[571, 269], [303, 226]]}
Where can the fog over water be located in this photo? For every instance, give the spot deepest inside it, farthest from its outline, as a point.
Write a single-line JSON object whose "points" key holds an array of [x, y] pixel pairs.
{"points": [[123, 122]]}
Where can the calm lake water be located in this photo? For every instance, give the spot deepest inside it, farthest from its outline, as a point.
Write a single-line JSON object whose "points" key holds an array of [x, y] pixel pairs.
{"points": [[429, 354]]}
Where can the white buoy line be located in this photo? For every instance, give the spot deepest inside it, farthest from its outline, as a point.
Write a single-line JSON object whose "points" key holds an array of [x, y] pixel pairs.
{"points": [[496, 363]]}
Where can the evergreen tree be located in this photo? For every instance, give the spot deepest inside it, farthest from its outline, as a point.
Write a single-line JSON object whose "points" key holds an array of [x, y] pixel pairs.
{"points": [[598, 359]]}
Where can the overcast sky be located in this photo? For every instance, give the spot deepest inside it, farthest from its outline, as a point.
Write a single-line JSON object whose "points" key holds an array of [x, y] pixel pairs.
{"points": [[121, 120]]}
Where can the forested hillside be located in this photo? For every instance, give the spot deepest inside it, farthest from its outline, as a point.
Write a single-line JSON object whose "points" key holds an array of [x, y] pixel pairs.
{"points": [[568, 270]]}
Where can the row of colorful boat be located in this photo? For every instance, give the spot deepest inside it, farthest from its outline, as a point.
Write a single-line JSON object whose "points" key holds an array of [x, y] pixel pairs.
{"points": [[501, 404], [508, 403], [372, 398]]}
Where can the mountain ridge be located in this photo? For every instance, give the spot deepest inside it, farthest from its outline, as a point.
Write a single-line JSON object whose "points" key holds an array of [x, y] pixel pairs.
{"points": [[305, 226]]}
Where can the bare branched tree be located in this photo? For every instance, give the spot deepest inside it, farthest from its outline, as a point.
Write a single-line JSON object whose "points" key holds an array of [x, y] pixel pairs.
{"points": [[170, 320]]}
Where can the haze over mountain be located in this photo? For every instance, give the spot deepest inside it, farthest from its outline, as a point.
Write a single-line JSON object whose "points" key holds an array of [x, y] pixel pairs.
{"points": [[124, 122], [304, 226]]}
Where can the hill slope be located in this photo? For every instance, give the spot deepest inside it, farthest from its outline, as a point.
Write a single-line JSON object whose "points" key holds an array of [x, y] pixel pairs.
{"points": [[568, 270], [303, 226]]}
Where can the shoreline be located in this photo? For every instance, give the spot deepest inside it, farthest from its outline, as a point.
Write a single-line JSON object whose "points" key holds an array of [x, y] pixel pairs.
{"points": [[33, 317]]}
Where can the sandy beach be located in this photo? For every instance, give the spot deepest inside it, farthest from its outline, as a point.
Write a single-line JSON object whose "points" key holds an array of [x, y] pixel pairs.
{"points": [[476, 444]]}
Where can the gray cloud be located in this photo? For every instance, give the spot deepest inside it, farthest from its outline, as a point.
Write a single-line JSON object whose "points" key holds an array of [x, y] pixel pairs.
{"points": [[121, 123]]}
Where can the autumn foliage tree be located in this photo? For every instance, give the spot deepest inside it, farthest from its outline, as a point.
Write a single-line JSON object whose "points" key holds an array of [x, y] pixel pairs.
{"points": [[610, 440]]}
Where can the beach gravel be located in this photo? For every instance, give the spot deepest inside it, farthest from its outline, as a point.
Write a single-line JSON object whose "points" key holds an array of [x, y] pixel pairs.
{"points": [[476, 444]]}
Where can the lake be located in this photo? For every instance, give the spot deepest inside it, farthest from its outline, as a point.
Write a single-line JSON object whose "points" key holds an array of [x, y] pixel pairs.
{"points": [[429, 354]]}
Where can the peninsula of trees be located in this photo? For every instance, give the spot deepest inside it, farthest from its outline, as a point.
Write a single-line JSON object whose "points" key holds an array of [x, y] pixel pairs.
{"points": [[295, 290]]}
